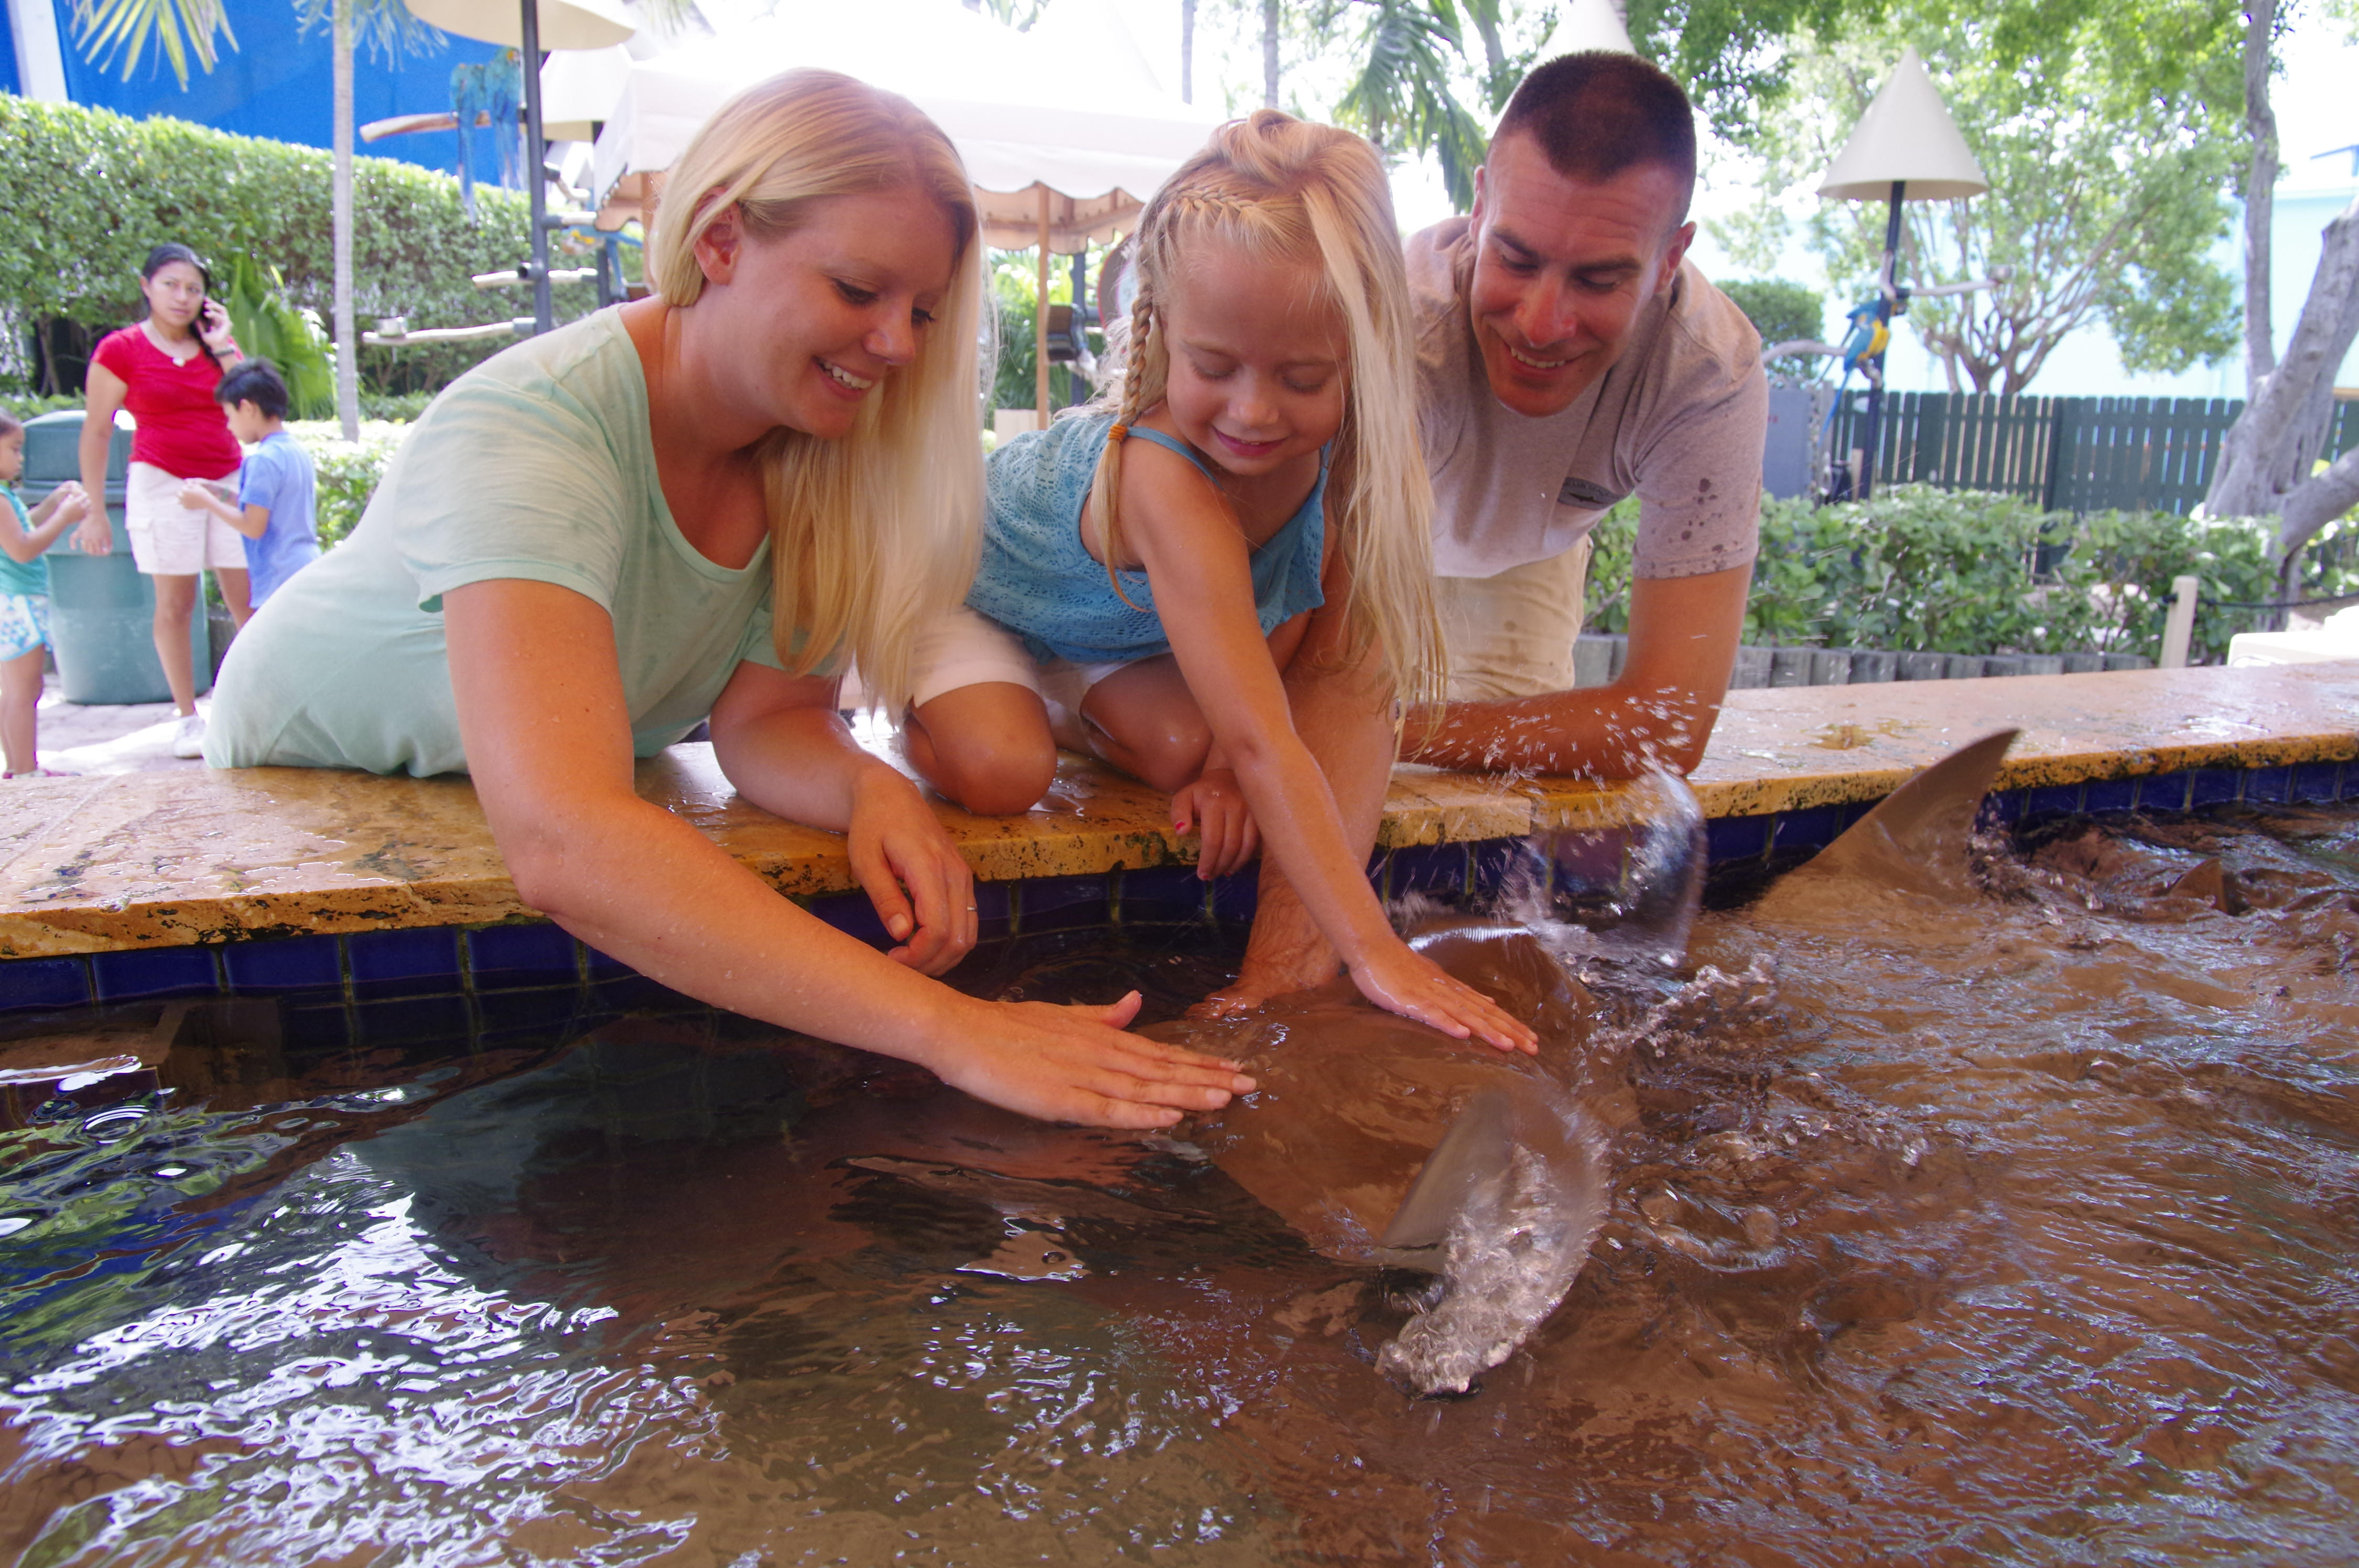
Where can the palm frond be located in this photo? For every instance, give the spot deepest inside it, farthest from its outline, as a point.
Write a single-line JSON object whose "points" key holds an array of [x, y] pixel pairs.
{"points": [[1401, 98], [177, 30], [380, 27]]}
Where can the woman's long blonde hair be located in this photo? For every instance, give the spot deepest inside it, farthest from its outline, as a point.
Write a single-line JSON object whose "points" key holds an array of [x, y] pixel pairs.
{"points": [[1284, 188], [874, 534]]}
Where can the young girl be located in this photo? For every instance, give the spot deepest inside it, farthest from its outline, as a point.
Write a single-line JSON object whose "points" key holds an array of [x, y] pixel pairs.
{"points": [[1154, 573], [25, 599]]}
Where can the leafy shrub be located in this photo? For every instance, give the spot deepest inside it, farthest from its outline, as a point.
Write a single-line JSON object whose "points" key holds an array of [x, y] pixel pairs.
{"points": [[271, 327], [1968, 572], [1778, 310], [89, 191], [347, 471], [1781, 311]]}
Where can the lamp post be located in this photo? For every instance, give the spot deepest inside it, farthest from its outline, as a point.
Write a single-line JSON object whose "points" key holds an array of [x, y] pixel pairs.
{"points": [[1904, 148], [533, 26]]}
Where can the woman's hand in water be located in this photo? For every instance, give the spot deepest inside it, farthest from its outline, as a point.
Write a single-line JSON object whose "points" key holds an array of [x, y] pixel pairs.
{"points": [[1074, 1063], [1398, 980], [1214, 808], [912, 871]]}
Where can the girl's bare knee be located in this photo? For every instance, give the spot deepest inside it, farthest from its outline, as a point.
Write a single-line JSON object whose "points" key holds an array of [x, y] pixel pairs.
{"points": [[995, 777]]}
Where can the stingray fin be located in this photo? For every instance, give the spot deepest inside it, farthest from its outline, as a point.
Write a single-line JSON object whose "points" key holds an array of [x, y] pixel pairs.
{"points": [[1473, 1154]]}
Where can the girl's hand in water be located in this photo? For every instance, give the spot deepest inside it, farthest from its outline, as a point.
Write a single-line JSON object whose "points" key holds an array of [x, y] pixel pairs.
{"points": [[1074, 1063], [912, 872], [1398, 980], [1215, 807]]}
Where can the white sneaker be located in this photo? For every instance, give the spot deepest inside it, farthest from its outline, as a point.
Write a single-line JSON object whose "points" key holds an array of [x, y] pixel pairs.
{"points": [[189, 736]]}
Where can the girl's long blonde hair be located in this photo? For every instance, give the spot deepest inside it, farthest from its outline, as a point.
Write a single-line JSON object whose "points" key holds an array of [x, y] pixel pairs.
{"points": [[1284, 188], [874, 534]]}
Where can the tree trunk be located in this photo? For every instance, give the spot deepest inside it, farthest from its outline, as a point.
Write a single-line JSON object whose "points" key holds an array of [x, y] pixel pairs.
{"points": [[1269, 13], [348, 347], [2260, 197], [1187, 52], [2265, 461]]}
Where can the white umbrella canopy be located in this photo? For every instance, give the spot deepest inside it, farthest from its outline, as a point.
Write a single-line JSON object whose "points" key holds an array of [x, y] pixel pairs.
{"points": [[1588, 25], [1027, 111], [1906, 134], [564, 23]]}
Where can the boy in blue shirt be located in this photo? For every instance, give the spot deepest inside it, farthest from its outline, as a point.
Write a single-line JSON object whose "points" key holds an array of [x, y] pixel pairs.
{"points": [[275, 491]]}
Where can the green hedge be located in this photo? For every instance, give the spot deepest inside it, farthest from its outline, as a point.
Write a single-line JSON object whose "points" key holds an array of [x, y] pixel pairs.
{"points": [[87, 192], [1966, 572], [347, 473]]}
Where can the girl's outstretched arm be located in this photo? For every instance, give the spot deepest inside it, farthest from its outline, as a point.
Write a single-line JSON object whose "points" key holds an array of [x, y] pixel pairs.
{"points": [[548, 740], [1197, 561], [58, 511]]}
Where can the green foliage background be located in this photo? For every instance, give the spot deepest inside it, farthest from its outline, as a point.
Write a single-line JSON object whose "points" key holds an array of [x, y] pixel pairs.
{"points": [[88, 192], [2110, 136], [1968, 572]]}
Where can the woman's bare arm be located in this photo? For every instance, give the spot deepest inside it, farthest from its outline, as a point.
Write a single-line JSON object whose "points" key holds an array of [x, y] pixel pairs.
{"points": [[548, 740], [781, 742], [103, 393]]}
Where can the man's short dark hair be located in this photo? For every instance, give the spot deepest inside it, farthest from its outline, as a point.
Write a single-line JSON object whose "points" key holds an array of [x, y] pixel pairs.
{"points": [[257, 381], [1599, 112]]}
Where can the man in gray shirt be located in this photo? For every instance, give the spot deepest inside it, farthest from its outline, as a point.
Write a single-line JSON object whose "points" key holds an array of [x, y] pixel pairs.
{"points": [[1569, 357]]}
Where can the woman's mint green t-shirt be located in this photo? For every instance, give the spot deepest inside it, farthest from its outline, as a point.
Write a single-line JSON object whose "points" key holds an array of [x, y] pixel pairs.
{"points": [[537, 464]]}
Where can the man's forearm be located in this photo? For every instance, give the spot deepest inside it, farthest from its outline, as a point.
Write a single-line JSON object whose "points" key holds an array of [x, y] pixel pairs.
{"points": [[1602, 733], [1683, 637]]}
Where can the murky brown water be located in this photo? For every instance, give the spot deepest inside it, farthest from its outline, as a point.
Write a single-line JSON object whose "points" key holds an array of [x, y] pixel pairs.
{"points": [[2022, 1232]]}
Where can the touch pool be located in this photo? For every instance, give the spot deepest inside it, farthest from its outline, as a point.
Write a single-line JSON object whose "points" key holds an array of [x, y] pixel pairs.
{"points": [[2015, 1232], [2019, 1231]]}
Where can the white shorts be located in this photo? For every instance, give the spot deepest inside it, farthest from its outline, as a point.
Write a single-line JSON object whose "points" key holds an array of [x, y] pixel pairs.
{"points": [[966, 647], [1511, 635], [168, 539]]}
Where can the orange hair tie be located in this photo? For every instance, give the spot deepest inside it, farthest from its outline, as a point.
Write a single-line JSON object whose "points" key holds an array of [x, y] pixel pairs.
{"points": [[1118, 433]]}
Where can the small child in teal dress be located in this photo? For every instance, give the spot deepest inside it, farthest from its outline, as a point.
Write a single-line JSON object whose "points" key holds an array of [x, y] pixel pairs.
{"points": [[24, 598]]}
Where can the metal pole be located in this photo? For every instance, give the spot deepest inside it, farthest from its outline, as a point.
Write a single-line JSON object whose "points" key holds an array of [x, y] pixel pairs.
{"points": [[1080, 333], [1040, 321], [1886, 288], [535, 180]]}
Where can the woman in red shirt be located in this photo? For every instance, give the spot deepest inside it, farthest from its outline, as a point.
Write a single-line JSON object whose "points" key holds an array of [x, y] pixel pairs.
{"points": [[164, 369]]}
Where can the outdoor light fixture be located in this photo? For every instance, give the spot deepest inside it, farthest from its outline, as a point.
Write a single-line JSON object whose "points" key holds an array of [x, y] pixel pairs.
{"points": [[1904, 148], [529, 28]]}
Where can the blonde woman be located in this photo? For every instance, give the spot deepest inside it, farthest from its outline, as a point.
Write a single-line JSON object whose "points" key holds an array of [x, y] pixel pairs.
{"points": [[1252, 502], [702, 504]]}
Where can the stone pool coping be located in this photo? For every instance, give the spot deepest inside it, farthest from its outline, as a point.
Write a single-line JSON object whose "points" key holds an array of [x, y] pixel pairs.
{"points": [[139, 862]]}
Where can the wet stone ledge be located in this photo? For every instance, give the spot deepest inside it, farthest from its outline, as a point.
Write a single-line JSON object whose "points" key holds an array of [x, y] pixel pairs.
{"points": [[142, 884]]}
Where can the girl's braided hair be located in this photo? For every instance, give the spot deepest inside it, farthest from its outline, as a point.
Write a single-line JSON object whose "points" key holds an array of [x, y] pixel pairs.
{"points": [[1283, 189]]}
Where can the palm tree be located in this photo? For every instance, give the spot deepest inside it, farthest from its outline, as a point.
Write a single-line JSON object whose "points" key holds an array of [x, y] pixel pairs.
{"points": [[1401, 98]]}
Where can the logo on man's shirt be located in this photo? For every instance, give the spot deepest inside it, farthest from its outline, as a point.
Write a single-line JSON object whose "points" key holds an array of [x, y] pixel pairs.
{"points": [[1579, 492]]}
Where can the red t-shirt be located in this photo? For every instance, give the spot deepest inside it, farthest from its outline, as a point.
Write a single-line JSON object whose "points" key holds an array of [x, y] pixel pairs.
{"points": [[181, 429]]}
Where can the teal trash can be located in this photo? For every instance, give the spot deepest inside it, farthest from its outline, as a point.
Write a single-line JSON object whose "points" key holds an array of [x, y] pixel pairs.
{"points": [[101, 608]]}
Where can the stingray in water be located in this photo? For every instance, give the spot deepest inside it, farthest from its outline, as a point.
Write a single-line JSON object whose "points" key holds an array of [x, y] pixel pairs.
{"points": [[1384, 1143]]}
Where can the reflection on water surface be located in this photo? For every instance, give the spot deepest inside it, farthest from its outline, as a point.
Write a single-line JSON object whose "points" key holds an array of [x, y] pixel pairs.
{"points": [[2016, 1233]]}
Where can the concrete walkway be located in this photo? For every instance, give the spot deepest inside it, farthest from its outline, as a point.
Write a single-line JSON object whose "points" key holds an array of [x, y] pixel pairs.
{"points": [[108, 737]]}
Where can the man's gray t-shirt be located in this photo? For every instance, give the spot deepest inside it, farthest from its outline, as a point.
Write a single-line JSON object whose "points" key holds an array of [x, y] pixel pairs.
{"points": [[1678, 421]]}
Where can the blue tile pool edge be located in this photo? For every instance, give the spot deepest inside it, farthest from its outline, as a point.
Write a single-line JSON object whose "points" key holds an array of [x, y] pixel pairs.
{"points": [[423, 962]]}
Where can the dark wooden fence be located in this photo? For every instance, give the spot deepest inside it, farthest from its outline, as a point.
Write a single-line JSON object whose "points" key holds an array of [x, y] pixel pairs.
{"points": [[2067, 454]]}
